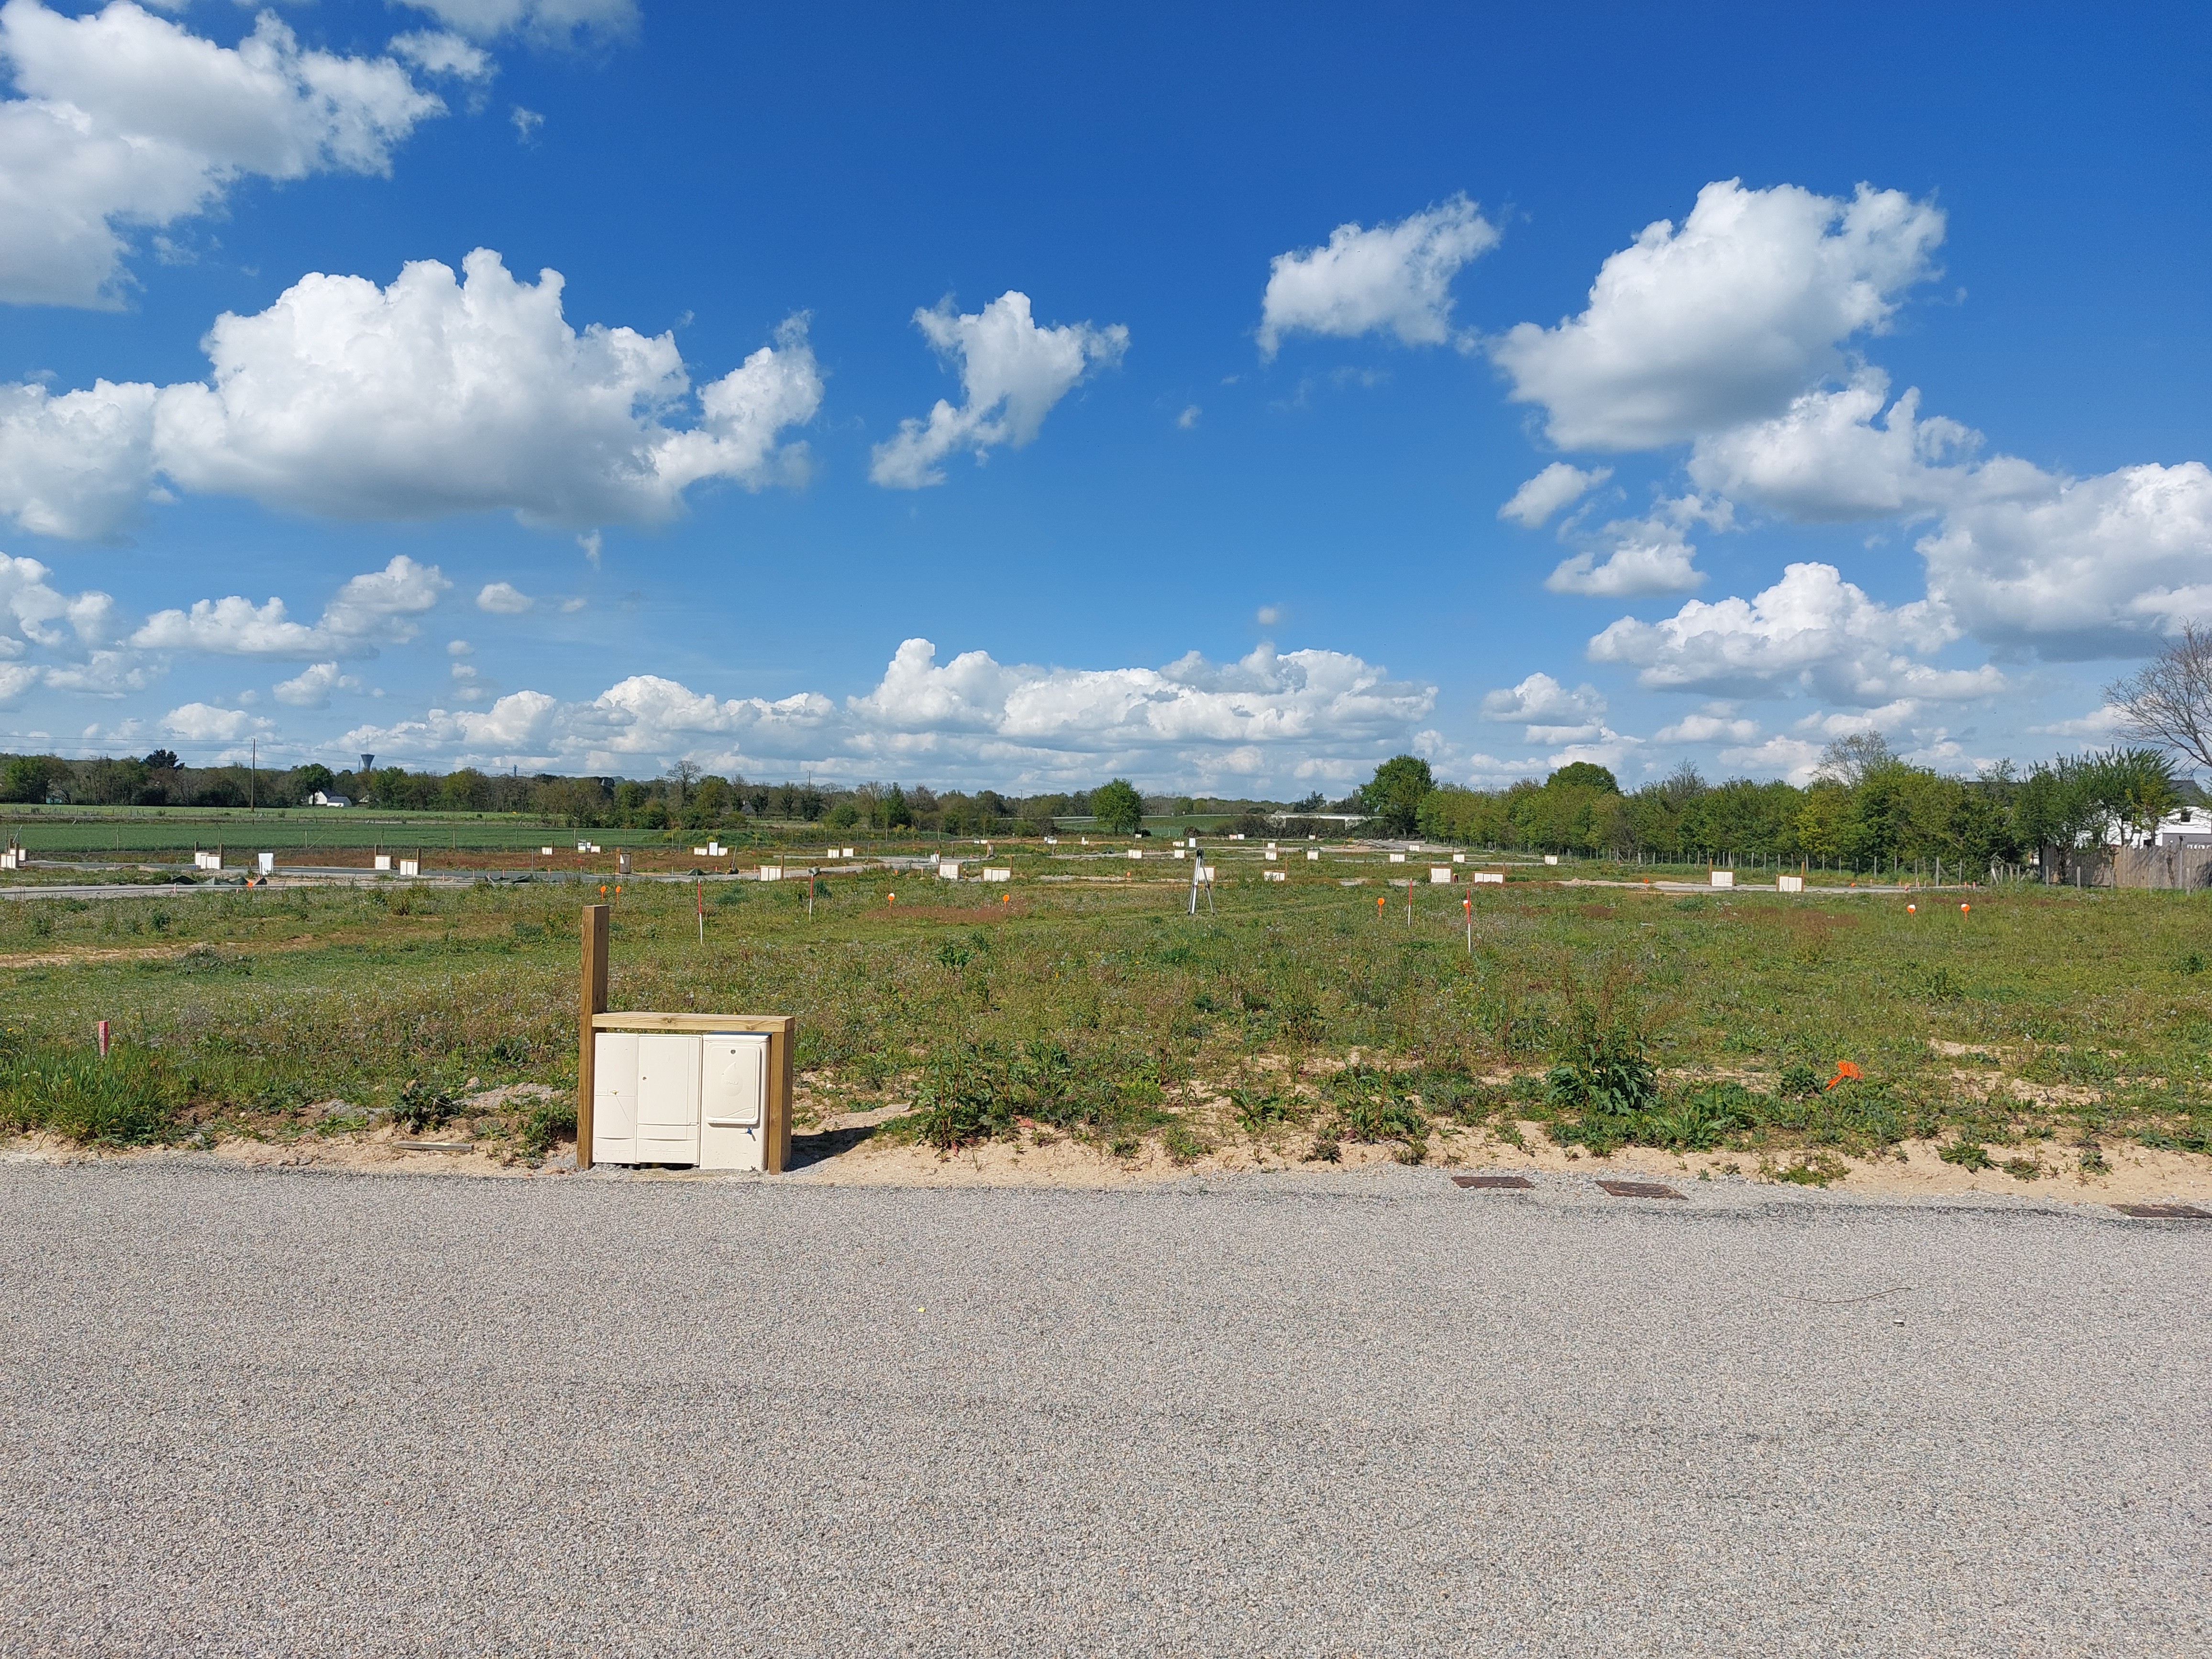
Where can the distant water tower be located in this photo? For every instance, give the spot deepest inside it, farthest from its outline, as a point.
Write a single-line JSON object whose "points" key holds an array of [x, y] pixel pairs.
{"points": [[368, 763]]}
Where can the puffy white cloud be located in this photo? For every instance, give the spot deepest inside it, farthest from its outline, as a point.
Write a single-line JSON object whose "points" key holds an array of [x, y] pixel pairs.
{"points": [[1645, 556], [311, 687], [440, 52], [78, 466], [375, 608], [204, 722], [503, 599], [1633, 570], [36, 605], [429, 396], [1794, 758], [1811, 632], [2105, 566], [435, 396], [1724, 320], [128, 119], [1708, 728], [1837, 454], [1307, 715], [1552, 713], [1395, 278], [1011, 372], [1550, 490], [553, 21]]}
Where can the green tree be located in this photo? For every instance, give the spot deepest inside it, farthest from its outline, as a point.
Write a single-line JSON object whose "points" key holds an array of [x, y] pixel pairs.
{"points": [[897, 814], [1395, 792], [1118, 808], [1587, 775]]}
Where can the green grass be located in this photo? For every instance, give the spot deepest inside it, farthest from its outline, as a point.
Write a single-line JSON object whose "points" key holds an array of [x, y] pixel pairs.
{"points": [[1095, 1007]]}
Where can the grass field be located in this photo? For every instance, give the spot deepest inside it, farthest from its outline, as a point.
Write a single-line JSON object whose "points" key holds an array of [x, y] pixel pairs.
{"points": [[1081, 998]]}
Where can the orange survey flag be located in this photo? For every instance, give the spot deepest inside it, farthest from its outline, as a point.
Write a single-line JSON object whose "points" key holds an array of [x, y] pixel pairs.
{"points": [[1844, 1068]]}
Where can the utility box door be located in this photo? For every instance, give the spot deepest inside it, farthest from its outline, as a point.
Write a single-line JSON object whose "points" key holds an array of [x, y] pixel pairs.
{"points": [[667, 1097], [614, 1097], [733, 1101]]}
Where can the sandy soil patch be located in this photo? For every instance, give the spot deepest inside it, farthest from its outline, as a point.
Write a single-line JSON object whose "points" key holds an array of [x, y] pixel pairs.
{"points": [[843, 1148]]}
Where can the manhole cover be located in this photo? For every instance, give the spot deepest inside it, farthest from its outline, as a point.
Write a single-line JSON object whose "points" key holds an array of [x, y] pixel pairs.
{"points": [[1638, 1189], [2164, 1212], [1517, 1182]]}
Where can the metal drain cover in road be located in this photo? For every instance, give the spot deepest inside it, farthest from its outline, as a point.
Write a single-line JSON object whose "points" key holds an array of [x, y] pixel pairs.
{"points": [[2164, 1212], [1638, 1189], [1518, 1182]]}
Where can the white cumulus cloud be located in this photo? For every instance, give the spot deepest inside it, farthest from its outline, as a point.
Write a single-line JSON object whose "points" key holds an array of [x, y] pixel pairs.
{"points": [[376, 608], [311, 687], [503, 599], [1319, 715], [1837, 454], [1011, 374], [1395, 278], [1645, 556], [1812, 632], [557, 21], [432, 396], [129, 120], [440, 52], [1551, 712], [1551, 490], [1724, 320], [202, 722], [2106, 566], [1708, 728]]}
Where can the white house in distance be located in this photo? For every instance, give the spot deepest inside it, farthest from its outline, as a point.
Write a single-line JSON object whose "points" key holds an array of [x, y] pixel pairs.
{"points": [[2186, 826], [322, 797]]}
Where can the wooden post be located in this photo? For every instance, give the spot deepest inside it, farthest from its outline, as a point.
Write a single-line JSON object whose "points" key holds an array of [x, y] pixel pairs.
{"points": [[595, 1002], [776, 1132]]}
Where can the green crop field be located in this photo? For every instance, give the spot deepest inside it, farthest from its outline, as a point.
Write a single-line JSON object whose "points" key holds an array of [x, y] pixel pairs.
{"points": [[1082, 997]]}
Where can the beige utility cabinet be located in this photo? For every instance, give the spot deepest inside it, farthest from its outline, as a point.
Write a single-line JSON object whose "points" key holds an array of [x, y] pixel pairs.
{"points": [[701, 1098]]}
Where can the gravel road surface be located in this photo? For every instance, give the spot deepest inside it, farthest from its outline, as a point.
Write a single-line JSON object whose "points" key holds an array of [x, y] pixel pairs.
{"points": [[283, 1412]]}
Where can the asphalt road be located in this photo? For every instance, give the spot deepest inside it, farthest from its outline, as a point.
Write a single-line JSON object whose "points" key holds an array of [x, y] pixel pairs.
{"points": [[292, 1412]]}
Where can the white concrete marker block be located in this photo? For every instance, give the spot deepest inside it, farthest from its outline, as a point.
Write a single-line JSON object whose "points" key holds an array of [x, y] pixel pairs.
{"points": [[1723, 877], [948, 869], [1498, 875], [699, 852], [1313, 855], [1440, 875], [1236, 837], [1275, 875], [265, 862], [1271, 855], [1397, 858], [1136, 851], [1550, 858], [1459, 858], [848, 851], [1204, 872], [1182, 853], [771, 872], [1789, 884], [384, 861], [990, 874], [545, 852], [411, 866]]}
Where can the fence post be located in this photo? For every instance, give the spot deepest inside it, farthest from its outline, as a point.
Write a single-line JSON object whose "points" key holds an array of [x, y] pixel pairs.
{"points": [[593, 1001]]}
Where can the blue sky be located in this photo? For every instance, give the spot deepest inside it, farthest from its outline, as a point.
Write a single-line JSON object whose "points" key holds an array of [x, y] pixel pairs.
{"points": [[1853, 370]]}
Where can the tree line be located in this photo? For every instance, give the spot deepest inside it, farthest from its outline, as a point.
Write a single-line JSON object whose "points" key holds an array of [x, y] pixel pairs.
{"points": [[1865, 808], [684, 799]]}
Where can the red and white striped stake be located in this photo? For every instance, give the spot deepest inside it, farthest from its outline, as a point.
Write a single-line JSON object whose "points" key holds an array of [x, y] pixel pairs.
{"points": [[702, 909], [102, 1030]]}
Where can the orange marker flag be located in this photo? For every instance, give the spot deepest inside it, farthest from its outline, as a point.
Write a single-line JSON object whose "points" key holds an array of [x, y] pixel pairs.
{"points": [[1844, 1068]]}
